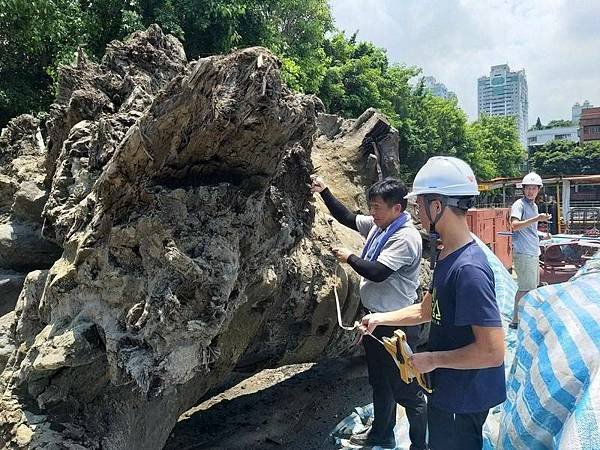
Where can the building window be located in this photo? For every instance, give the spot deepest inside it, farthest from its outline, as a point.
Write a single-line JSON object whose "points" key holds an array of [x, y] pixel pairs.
{"points": [[561, 136], [532, 140]]}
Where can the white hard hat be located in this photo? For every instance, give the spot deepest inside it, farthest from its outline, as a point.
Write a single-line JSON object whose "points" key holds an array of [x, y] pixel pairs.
{"points": [[445, 175], [532, 178]]}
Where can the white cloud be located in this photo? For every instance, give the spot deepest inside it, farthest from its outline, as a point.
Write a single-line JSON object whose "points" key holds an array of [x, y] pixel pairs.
{"points": [[557, 42]]}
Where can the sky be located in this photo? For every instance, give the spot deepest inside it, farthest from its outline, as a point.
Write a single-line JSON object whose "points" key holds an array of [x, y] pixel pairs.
{"points": [[557, 42]]}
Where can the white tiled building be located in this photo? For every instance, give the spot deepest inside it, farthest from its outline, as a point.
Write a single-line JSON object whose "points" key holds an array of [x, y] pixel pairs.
{"points": [[540, 137]]}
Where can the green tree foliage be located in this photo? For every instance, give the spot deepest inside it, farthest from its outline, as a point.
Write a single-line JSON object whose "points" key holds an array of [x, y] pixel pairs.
{"points": [[567, 158], [495, 149], [552, 124], [297, 35], [37, 35], [106, 20], [33, 34], [431, 126], [360, 76], [293, 29], [558, 124]]}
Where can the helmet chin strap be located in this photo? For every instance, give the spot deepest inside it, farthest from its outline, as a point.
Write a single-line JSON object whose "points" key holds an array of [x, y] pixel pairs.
{"points": [[460, 203], [433, 234]]}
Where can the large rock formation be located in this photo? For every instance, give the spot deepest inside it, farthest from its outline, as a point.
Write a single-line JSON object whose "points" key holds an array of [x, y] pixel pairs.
{"points": [[179, 240], [22, 197]]}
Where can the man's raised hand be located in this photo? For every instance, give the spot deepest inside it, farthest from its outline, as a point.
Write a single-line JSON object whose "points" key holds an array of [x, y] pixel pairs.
{"points": [[317, 185]]}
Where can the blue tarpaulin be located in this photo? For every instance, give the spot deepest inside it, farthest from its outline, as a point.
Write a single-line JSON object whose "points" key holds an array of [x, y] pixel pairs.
{"points": [[554, 382]]}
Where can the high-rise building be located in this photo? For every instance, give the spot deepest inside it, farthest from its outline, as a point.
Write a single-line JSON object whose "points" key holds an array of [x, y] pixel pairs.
{"points": [[504, 93], [576, 110], [437, 89]]}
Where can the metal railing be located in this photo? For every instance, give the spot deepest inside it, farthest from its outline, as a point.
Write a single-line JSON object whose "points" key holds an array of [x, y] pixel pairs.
{"points": [[585, 204], [581, 220]]}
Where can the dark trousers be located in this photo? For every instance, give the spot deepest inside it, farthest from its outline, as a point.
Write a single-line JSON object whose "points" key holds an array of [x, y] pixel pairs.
{"points": [[389, 389], [449, 431]]}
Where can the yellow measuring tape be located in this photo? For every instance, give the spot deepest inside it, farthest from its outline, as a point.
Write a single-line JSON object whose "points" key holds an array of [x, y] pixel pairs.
{"points": [[402, 353], [397, 347]]}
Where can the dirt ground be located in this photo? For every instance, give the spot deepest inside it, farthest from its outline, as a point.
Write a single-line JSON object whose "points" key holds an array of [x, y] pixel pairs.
{"points": [[293, 407]]}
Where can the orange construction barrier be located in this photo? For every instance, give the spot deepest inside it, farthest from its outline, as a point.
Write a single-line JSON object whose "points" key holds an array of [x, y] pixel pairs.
{"points": [[486, 224]]}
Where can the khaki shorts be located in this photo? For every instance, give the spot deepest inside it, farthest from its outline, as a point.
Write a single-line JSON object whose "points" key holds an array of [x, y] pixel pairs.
{"points": [[528, 271]]}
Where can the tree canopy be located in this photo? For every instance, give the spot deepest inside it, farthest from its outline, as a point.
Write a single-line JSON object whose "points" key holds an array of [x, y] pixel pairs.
{"points": [[38, 35], [359, 76], [558, 123], [563, 157], [496, 148]]}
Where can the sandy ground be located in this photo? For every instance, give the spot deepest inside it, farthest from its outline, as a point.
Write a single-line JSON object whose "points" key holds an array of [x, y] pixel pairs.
{"points": [[293, 407]]}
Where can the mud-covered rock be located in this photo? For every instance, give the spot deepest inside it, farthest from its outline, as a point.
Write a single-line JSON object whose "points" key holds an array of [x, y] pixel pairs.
{"points": [[177, 195]]}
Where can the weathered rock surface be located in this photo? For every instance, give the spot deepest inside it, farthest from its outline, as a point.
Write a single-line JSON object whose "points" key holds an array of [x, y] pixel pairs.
{"points": [[10, 286], [352, 154], [178, 194], [19, 328], [7, 344], [22, 198]]}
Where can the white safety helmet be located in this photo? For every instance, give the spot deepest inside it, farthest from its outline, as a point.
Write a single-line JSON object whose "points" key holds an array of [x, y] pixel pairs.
{"points": [[445, 175], [532, 179]]}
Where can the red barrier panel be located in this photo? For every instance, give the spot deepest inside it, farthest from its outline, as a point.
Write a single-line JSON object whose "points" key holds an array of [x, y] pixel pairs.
{"points": [[486, 224]]}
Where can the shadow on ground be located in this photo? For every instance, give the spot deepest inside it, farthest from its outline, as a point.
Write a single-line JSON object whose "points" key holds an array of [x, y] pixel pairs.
{"points": [[293, 408]]}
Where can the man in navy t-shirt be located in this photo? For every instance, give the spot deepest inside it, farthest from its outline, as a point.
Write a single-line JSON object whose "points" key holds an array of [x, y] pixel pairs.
{"points": [[463, 296], [466, 341]]}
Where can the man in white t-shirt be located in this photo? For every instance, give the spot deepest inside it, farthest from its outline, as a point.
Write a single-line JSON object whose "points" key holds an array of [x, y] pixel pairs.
{"points": [[389, 266]]}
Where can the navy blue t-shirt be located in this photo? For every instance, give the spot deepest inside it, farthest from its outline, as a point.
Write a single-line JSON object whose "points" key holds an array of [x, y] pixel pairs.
{"points": [[463, 295]]}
